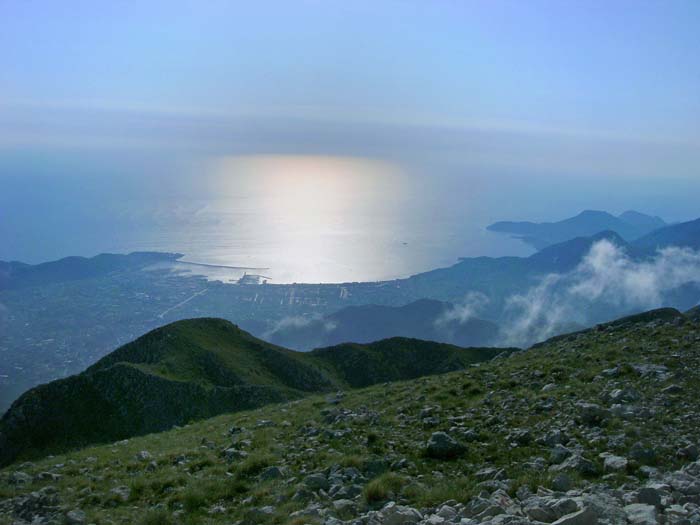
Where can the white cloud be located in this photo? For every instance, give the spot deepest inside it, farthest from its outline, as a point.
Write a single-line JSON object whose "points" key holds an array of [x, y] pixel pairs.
{"points": [[606, 280], [469, 308], [298, 322]]}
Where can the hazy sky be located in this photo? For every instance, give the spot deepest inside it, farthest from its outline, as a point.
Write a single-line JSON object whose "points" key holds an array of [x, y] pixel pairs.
{"points": [[594, 69], [601, 92]]}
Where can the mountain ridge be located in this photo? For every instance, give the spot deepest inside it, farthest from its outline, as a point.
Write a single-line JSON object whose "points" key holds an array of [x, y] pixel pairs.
{"points": [[426, 319], [629, 225], [198, 368]]}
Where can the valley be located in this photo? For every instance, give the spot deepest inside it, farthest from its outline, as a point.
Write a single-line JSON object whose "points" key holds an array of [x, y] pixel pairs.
{"points": [[58, 318]]}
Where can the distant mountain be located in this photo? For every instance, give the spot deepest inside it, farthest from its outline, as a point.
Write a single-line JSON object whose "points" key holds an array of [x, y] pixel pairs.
{"points": [[503, 277], [685, 234], [567, 255], [629, 225], [15, 275], [642, 220], [423, 319], [199, 368], [694, 313]]}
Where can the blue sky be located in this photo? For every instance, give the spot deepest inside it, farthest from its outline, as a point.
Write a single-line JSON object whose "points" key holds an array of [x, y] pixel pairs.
{"points": [[621, 69]]}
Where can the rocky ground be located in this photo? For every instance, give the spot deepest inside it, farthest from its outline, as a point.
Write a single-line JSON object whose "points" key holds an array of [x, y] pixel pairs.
{"points": [[596, 427]]}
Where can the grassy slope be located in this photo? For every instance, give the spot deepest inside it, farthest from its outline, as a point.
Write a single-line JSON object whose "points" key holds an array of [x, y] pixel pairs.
{"points": [[189, 476], [195, 369]]}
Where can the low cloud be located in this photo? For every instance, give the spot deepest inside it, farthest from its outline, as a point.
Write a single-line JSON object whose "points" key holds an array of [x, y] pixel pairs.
{"points": [[606, 283], [297, 323], [469, 308]]}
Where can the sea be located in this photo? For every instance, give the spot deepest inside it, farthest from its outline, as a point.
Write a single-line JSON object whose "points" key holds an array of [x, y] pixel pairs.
{"points": [[292, 219]]}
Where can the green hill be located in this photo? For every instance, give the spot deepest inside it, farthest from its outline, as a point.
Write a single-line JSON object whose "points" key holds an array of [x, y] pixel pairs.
{"points": [[199, 368], [594, 427]]}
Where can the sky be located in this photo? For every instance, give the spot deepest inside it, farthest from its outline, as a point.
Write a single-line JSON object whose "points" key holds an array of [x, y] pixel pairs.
{"points": [[596, 91], [623, 70]]}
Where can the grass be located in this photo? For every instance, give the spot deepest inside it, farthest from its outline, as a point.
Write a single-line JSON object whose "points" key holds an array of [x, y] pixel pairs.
{"points": [[383, 488], [254, 464], [156, 517], [383, 427]]}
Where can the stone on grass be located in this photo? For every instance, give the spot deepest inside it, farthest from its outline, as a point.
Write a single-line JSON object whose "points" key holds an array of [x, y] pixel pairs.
{"points": [[641, 514], [442, 446]]}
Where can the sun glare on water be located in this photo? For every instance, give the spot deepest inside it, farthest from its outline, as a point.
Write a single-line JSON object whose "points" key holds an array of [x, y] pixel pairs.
{"points": [[313, 205]]}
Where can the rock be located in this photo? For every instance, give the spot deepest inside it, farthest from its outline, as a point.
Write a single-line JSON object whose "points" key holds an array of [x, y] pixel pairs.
{"points": [[626, 395], [642, 454], [470, 435], [612, 463], [559, 453], [261, 513], [648, 496], [692, 469], [434, 520], [591, 414], [489, 473], [523, 492], [519, 436], [447, 512], [272, 473], [442, 446], [393, 514], [122, 493], [344, 506], [19, 478], [584, 516], [233, 454], [659, 372], [537, 509], [374, 467], [578, 463], [562, 482], [648, 472], [348, 492], [553, 438], [549, 387], [688, 452], [316, 482], [672, 389], [143, 455], [217, 509], [684, 483], [641, 514], [565, 506], [76, 517], [47, 476]]}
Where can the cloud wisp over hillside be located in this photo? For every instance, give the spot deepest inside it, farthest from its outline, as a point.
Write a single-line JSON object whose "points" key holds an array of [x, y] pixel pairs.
{"points": [[607, 282]]}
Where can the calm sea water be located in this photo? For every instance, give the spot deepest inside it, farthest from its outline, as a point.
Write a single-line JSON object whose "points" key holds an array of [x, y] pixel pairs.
{"points": [[295, 219], [298, 219]]}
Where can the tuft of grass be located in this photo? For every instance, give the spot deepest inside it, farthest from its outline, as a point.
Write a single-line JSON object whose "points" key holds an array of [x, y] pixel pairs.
{"points": [[194, 499], [357, 461], [383, 488], [458, 489], [254, 464], [156, 517]]}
